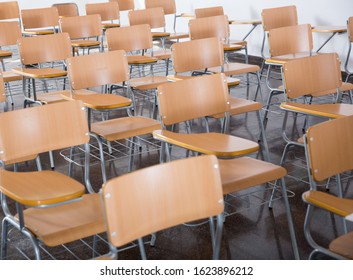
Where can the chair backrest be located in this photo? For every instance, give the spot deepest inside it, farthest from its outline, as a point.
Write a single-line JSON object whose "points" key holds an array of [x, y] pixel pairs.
{"points": [[197, 54], [9, 10], [67, 9], [10, 31], [41, 49], [97, 69], [40, 129], [215, 26], [209, 12], [290, 40], [314, 75], [192, 186], [129, 38], [40, 18], [330, 147], [193, 98], [154, 17], [125, 5], [279, 17], [350, 29], [2, 89], [107, 10], [81, 26], [168, 6]]}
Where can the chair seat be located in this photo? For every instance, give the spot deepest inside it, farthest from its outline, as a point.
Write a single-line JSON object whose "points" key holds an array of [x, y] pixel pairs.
{"points": [[52, 97], [231, 47], [221, 145], [240, 106], [35, 32], [343, 245], [157, 35], [110, 25], [175, 36], [10, 76], [148, 82], [334, 204], [85, 43], [40, 73], [68, 222], [346, 86], [34, 189], [235, 68], [245, 172], [238, 42], [5, 54], [283, 58], [98, 101], [141, 59], [323, 110], [161, 54], [230, 80], [127, 127], [27, 158]]}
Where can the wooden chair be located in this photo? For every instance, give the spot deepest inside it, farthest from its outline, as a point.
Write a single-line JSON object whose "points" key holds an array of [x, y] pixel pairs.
{"points": [[169, 8], [52, 208], [196, 55], [137, 39], [217, 11], [67, 9], [109, 68], [179, 102], [41, 21], [350, 41], [43, 58], [9, 10], [109, 12], [85, 32], [168, 199], [329, 151], [275, 18], [310, 78], [216, 26], [10, 31]]}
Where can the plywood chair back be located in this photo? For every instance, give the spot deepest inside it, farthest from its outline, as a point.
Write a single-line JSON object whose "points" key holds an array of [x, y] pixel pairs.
{"points": [[173, 193], [154, 17], [2, 89], [125, 5], [40, 18], [168, 6], [67, 9], [330, 148], [197, 54], [290, 40], [209, 12], [180, 101], [9, 10], [35, 130], [41, 49], [279, 17], [82, 26], [215, 26], [350, 29], [129, 38], [97, 69], [108, 11], [10, 31], [314, 75]]}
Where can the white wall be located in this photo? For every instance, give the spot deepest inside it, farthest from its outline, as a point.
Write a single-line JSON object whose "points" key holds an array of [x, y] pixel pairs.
{"points": [[315, 12]]}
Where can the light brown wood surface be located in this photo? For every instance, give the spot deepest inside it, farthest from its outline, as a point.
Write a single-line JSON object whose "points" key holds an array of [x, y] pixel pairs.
{"points": [[125, 5], [81, 26], [279, 17], [40, 18], [9, 10], [168, 6], [209, 12], [173, 193]]}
